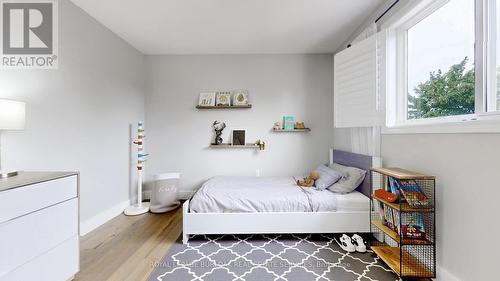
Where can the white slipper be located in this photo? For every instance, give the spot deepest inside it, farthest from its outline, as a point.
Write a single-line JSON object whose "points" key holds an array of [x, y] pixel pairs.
{"points": [[359, 243], [346, 244]]}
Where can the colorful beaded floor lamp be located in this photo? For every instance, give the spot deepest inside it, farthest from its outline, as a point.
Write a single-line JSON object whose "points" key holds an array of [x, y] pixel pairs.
{"points": [[140, 207]]}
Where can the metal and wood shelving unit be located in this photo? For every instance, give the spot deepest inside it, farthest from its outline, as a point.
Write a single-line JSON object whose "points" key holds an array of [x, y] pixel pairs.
{"points": [[408, 258]]}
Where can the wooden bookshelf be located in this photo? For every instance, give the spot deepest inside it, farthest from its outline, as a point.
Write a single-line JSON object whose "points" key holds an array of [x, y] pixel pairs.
{"points": [[395, 236], [225, 107], [292, 131], [391, 256], [405, 207], [402, 174]]}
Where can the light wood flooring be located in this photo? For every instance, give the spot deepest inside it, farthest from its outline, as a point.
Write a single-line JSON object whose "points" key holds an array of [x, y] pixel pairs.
{"points": [[126, 247]]}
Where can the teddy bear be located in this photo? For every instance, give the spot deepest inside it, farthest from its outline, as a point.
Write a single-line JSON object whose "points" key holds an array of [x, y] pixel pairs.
{"points": [[309, 181]]}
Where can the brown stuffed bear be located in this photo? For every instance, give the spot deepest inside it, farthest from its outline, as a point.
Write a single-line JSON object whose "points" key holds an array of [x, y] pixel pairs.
{"points": [[309, 181]]}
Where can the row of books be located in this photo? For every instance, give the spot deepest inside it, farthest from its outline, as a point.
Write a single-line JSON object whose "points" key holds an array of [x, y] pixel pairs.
{"points": [[410, 191], [411, 225]]}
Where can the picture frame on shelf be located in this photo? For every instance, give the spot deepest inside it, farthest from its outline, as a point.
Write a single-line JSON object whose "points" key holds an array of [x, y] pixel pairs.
{"points": [[240, 97], [288, 123], [238, 137], [223, 99], [207, 99]]}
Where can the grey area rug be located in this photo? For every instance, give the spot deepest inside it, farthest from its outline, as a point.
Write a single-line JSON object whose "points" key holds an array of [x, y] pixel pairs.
{"points": [[267, 257]]}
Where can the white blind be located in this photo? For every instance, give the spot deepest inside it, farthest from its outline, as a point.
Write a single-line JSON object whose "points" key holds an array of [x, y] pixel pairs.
{"points": [[356, 84]]}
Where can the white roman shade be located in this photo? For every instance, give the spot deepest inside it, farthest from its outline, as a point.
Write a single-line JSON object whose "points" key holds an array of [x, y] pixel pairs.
{"points": [[357, 86]]}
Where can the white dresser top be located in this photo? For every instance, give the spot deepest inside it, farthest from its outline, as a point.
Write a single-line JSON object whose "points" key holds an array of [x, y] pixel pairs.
{"points": [[27, 178]]}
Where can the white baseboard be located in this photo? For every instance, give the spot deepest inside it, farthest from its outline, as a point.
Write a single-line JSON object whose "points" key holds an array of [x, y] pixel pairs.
{"points": [[445, 275], [94, 222]]}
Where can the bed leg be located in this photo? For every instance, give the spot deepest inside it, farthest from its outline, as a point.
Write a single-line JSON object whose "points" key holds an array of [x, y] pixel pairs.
{"points": [[185, 210]]}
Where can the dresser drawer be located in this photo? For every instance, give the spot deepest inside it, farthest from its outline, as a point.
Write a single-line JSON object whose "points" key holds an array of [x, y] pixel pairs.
{"points": [[24, 200], [58, 264], [27, 237]]}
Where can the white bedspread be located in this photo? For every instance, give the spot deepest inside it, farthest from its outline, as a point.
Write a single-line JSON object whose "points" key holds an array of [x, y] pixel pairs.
{"points": [[259, 194]]}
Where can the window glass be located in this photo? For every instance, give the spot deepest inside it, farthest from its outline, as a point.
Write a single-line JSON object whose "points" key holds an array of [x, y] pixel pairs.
{"points": [[497, 14], [440, 62]]}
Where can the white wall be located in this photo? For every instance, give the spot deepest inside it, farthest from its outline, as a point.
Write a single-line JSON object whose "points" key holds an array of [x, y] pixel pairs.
{"points": [[467, 169], [78, 116], [177, 134]]}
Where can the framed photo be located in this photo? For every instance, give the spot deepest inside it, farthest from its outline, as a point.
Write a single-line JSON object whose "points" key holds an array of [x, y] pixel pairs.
{"points": [[207, 99], [223, 99], [238, 137], [240, 97]]}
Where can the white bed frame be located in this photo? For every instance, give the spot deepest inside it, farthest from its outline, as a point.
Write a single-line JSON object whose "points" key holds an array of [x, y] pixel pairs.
{"points": [[284, 222]]}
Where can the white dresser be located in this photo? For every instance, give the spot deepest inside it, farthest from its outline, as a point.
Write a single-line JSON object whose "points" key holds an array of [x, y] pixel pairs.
{"points": [[39, 226]]}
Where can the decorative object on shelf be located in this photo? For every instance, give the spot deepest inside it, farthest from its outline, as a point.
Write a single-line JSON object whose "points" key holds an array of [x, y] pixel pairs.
{"points": [[404, 231], [140, 207], [223, 99], [240, 97], [300, 125], [238, 137], [207, 99], [12, 117], [218, 128], [277, 126], [261, 144], [288, 123]]}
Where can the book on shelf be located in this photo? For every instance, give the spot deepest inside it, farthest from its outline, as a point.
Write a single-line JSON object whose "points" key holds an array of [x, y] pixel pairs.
{"points": [[413, 194], [408, 225], [413, 226]]}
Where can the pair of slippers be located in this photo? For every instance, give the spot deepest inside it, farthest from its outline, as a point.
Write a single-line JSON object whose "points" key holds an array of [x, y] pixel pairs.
{"points": [[352, 244]]}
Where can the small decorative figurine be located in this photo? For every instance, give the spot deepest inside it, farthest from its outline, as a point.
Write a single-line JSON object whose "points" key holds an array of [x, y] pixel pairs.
{"points": [[218, 128], [300, 125], [261, 144], [277, 126]]}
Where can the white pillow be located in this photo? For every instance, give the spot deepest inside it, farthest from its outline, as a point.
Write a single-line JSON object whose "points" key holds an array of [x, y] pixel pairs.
{"points": [[352, 178]]}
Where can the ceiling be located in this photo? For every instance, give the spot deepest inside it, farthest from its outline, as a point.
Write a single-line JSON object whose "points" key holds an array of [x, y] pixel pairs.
{"points": [[231, 26]]}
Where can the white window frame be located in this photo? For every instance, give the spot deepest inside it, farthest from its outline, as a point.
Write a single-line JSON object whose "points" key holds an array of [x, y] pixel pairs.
{"points": [[396, 58]]}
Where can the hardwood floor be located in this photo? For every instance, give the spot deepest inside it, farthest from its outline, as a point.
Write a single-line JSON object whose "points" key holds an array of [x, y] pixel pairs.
{"points": [[126, 247]]}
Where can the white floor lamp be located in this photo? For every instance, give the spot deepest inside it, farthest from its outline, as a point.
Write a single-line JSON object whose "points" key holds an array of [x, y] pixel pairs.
{"points": [[140, 207], [12, 117]]}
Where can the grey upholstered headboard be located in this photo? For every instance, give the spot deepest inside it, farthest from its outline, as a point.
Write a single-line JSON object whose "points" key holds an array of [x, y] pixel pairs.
{"points": [[361, 161]]}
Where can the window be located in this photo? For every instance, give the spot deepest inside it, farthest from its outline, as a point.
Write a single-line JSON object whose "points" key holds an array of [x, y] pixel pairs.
{"points": [[440, 62], [495, 44], [443, 63]]}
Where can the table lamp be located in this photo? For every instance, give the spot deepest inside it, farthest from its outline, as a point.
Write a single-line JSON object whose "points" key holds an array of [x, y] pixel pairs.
{"points": [[12, 117]]}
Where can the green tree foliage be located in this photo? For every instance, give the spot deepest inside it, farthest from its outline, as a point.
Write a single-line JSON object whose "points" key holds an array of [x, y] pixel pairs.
{"points": [[444, 94]]}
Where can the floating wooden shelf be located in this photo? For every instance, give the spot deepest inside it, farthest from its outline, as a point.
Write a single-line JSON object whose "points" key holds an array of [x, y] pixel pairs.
{"points": [[403, 207], [395, 236], [228, 145], [402, 174], [225, 107], [292, 131], [391, 256]]}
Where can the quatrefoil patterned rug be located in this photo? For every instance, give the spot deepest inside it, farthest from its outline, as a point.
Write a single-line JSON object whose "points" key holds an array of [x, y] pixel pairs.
{"points": [[267, 257]]}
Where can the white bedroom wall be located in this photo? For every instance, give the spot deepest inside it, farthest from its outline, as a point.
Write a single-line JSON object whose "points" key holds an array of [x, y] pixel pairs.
{"points": [[178, 135], [78, 116]]}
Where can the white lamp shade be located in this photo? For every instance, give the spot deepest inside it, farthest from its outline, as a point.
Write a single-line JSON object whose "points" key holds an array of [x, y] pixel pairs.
{"points": [[12, 115]]}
